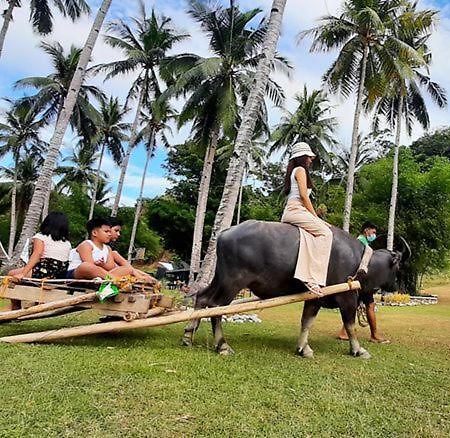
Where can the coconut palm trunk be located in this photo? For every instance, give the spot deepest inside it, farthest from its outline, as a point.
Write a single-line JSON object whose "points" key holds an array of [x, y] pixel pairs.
{"points": [[354, 146], [202, 201], [96, 180], [126, 157], [241, 189], [233, 180], [13, 225], [7, 17], [394, 190], [43, 184], [137, 212]]}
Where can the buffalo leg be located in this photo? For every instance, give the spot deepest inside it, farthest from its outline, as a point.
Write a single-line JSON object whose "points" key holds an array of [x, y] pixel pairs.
{"points": [[348, 318], [308, 316], [219, 340], [189, 330], [191, 327]]}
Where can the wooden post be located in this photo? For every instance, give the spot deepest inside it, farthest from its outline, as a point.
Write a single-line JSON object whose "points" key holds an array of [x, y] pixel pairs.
{"points": [[14, 314], [52, 335]]}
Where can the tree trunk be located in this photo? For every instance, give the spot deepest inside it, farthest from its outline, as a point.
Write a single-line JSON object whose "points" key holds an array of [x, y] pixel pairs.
{"points": [[126, 158], [97, 178], [354, 146], [46, 204], [43, 184], [137, 213], [7, 17], [393, 206], [236, 167], [13, 224], [241, 189], [202, 202]]}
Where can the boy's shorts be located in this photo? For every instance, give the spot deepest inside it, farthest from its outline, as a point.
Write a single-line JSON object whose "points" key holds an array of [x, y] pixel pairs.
{"points": [[70, 274]]}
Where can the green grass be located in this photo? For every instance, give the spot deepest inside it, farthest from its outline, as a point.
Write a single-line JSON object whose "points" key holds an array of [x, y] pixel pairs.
{"points": [[143, 383]]}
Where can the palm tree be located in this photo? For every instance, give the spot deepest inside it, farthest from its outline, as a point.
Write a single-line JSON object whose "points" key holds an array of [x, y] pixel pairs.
{"points": [[310, 122], [25, 173], [362, 32], [156, 123], [81, 171], [43, 183], [370, 147], [41, 14], [402, 97], [53, 89], [102, 194], [218, 87], [250, 114], [110, 133], [19, 133], [145, 47]]}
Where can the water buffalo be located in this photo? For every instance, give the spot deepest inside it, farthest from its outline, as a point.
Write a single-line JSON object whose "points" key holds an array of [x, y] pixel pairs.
{"points": [[262, 256]]}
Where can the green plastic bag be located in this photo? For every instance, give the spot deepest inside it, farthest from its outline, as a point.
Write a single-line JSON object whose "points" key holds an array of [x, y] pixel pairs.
{"points": [[107, 290]]}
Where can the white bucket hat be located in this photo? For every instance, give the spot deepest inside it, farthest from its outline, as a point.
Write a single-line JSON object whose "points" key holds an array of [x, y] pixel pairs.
{"points": [[300, 149]]}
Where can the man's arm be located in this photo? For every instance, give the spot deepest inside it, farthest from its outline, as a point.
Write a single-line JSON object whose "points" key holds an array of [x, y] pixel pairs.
{"points": [[85, 251], [118, 259]]}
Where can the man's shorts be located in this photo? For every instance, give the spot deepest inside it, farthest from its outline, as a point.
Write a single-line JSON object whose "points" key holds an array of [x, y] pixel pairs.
{"points": [[366, 298], [70, 274]]}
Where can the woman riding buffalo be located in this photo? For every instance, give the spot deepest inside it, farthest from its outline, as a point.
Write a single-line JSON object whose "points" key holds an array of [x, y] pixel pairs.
{"points": [[315, 234]]}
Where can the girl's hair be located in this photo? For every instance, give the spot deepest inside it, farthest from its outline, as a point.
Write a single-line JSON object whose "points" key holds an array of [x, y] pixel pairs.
{"points": [[292, 164], [55, 225]]}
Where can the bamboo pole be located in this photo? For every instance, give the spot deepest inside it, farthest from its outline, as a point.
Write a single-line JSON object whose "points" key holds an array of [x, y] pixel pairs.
{"points": [[40, 308], [187, 315]]}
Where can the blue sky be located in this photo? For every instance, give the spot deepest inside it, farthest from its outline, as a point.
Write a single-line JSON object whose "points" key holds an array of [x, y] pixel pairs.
{"points": [[22, 57]]}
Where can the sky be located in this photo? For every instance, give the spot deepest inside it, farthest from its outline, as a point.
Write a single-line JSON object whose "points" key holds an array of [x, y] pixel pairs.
{"points": [[22, 57]]}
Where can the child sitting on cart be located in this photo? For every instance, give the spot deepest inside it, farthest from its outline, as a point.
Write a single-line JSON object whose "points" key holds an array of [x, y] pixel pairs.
{"points": [[93, 258], [51, 248], [116, 229]]}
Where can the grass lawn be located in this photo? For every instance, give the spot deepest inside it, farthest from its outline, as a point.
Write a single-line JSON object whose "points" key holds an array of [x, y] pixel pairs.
{"points": [[143, 383]]}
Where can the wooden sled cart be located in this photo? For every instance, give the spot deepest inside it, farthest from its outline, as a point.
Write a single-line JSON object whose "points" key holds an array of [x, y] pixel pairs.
{"points": [[137, 305]]}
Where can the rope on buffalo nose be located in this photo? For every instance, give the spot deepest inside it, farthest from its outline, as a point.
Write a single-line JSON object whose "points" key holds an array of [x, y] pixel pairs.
{"points": [[361, 309]]}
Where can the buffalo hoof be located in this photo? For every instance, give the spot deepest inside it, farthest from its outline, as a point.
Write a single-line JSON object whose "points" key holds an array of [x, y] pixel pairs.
{"points": [[186, 341], [306, 352], [225, 350], [362, 353]]}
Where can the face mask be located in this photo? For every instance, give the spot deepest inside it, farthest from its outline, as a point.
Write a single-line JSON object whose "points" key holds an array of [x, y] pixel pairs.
{"points": [[371, 238]]}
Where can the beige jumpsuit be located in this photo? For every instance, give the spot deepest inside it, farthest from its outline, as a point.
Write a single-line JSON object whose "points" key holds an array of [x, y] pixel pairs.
{"points": [[316, 238]]}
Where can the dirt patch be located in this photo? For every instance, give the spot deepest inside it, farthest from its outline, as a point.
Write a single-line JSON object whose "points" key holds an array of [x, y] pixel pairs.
{"points": [[442, 291]]}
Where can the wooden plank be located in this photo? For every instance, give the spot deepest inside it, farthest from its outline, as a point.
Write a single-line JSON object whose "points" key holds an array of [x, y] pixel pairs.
{"points": [[67, 302], [187, 315], [136, 302]]}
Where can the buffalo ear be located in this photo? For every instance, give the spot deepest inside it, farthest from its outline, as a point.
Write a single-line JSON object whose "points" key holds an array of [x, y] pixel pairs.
{"points": [[396, 258]]}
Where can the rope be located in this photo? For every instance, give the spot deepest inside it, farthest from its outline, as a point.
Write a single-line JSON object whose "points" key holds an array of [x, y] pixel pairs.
{"points": [[41, 295], [362, 315], [4, 285]]}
